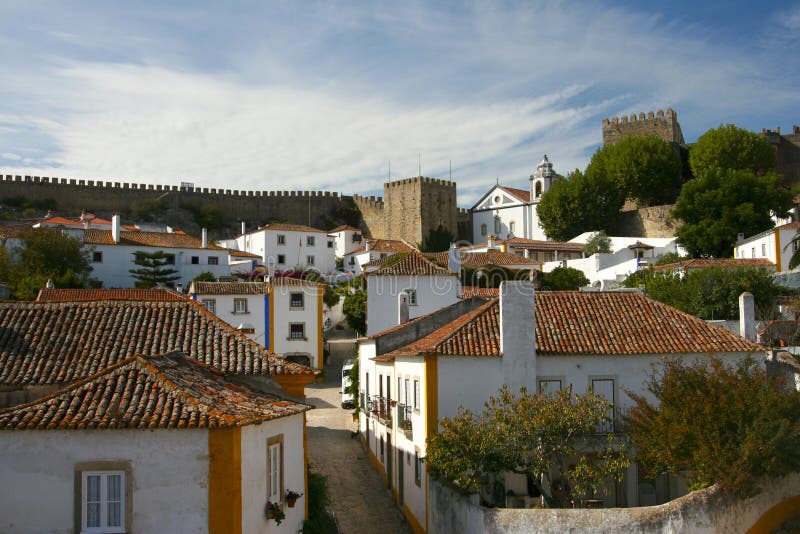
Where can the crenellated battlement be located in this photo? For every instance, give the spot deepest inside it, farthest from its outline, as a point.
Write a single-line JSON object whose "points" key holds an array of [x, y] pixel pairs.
{"points": [[420, 179], [370, 201], [663, 124]]}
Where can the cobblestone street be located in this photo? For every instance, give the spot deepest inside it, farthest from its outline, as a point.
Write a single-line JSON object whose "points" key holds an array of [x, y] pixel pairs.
{"points": [[360, 499]]}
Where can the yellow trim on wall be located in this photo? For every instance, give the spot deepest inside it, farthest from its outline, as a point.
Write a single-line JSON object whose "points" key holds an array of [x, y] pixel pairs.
{"points": [[431, 403], [412, 521], [305, 463], [320, 351], [225, 480], [294, 385], [775, 516], [777, 235]]}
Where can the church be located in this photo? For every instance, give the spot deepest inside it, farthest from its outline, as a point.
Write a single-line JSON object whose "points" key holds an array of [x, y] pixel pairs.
{"points": [[506, 212]]}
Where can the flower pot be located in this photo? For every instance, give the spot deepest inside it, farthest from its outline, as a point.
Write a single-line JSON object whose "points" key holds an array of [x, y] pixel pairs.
{"points": [[355, 417], [291, 502]]}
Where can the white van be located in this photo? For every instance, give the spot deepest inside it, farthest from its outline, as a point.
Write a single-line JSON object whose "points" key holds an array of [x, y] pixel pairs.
{"points": [[348, 399]]}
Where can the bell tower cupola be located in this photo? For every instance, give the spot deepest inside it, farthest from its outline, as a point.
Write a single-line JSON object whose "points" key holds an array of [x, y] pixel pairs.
{"points": [[541, 179]]}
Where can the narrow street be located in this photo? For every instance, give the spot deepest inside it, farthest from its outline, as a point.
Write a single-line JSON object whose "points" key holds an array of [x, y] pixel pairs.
{"points": [[359, 498]]}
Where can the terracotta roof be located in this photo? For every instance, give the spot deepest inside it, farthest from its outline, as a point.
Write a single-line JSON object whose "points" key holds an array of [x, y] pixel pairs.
{"points": [[790, 226], [59, 342], [521, 194], [586, 323], [730, 263], [344, 228], [11, 231], [384, 245], [248, 288], [490, 257], [147, 239], [474, 291], [410, 264], [57, 220], [286, 227], [639, 244], [149, 392], [76, 295], [242, 254], [534, 244]]}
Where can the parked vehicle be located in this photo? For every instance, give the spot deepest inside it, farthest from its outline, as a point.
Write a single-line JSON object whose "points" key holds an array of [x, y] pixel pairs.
{"points": [[348, 399]]}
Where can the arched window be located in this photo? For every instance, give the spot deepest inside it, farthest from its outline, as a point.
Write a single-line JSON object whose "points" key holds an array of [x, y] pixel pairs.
{"points": [[497, 226], [538, 189], [512, 226], [483, 229]]}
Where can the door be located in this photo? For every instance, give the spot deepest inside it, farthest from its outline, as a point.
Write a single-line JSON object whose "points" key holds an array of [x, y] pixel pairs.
{"points": [[400, 473], [389, 456]]}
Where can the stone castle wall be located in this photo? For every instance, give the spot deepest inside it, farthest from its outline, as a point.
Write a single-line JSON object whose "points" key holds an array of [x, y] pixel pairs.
{"points": [[654, 221], [415, 206], [787, 152], [664, 125], [372, 215]]}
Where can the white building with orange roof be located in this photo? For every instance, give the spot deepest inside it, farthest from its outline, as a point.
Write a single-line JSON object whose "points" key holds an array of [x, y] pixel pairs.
{"points": [[347, 239], [374, 250], [416, 373], [290, 247], [774, 245], [427, 286]]}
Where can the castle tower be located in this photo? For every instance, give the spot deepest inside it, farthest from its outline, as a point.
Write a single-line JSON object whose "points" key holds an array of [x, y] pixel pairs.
{"points": [[664, 125], [542, 179], [415, 206]]}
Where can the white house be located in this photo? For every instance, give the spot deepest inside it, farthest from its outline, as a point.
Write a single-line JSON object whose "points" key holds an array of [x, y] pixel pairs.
{"points": [[290, 247], [415, 374], [152, 444], [112, 254], [774, 245], [539, 251], [347, 239], [428, 287], [373, 250], [506, 212], [628, 255], [284, 315]]}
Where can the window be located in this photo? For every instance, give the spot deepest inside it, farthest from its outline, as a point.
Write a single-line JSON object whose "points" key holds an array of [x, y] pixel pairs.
{"points": [[213, 260], [605, 388], [211, 305], [195, 260], [296, 300], [512, 227], [763, 250], [497, 199], [275, 469], [281, 239], [310, 240], [169, 259], [383, 461], [483, 229], [417, 469], [102, 497], [309, 260], [352, 261], [538, 192], [408, 391], [753, 252], [497, 226], [239, 305], [97, 257], [549, 386], [400, 398], [281, 258], [297, 331], [412, 296], [416, 394], [383, 255], [356, 238], [330, 244]]}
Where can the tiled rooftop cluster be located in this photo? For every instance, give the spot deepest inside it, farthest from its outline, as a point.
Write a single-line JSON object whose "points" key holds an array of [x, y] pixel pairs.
{"points": [[392, 246], [146, 239], [410, 264], [45, 343], [169, 391], [480, 259], [155, 294], [249, 288]]}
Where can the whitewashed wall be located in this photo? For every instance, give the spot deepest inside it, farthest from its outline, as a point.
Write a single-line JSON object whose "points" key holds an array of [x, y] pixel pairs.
{"points": [[255, 316], [295, 249], [433, 293], [254, 474], [309, 315], [170, 477]]}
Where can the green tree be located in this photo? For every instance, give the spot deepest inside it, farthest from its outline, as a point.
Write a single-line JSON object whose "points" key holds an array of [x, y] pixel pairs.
{"points": [[154, 268], [729, 147], [563, 279], [599, 242], [670, 257], [437, 240], [721, 424], [532, 434], [579, 203], [355, 309], [205, 276], [644, 168], [719, 204]]}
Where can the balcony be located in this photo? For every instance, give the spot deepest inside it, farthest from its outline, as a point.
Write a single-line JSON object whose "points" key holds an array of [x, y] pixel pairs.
{"points": [[615, 423], [381, 408], [404, 420]]}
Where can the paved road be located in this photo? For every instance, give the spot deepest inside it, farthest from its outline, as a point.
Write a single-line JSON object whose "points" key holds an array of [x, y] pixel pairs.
{"points": [[360, 500]]}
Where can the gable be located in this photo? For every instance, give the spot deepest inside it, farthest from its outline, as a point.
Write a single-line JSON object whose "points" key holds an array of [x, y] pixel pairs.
{"points": [[496, 197]]}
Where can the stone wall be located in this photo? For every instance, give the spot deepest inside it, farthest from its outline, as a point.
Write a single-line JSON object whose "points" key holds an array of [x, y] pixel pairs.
{"points": [[372, 216], [703, 511], [415, 206], [787, 152], [664, 125], [654, 221]]}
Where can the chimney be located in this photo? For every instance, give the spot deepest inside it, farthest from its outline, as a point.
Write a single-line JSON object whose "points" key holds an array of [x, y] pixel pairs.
{"points": [[489, 242], [517, 335], [454, 258], [204, 238], [504, 247], [402, 307], [368, 245], [243, 228], [747, 316], [115, 228]]}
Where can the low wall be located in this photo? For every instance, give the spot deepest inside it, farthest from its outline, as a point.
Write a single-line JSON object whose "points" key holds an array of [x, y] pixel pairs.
{"points": [[703, 511], [654, 221]]}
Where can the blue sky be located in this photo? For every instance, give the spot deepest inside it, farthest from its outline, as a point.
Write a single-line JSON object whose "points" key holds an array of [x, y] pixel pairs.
{"points": [[323, 95]]}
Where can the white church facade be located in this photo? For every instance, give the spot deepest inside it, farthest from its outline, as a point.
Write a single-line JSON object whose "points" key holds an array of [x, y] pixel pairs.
{"points": [[506, 212]]}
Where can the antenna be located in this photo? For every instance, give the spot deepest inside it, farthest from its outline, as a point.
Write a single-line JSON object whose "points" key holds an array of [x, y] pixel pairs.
{"points": [[419, 164], [451, 171], [390, 170]]}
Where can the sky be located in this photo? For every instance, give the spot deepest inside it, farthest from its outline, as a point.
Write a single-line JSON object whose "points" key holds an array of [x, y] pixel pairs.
{"points": [[344, 96]]}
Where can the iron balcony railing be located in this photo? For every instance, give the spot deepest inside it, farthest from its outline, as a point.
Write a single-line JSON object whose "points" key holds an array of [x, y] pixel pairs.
{"points": [[381, 408], [615, 423], [404, 419]]}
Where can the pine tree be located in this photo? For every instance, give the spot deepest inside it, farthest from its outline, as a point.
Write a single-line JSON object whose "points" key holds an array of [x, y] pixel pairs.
{"points": [[154, 269]]}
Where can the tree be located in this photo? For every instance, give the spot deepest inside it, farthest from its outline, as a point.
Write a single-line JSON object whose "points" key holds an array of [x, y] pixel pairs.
{"points": [[644, 168], [437, 240], [579, 203], [716, 206], [717, 424], [710, 293], [154, 268], [355, 309], [205, 276], [538, 435], [563, 279], [599, 242], [729, 147]]}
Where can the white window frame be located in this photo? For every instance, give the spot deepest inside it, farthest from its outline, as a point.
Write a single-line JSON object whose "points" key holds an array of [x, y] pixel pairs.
{"points": [[210, 305], [213, 260], [240, 306], [281, 259], [310, 260], [97, 256], [292, 304], [310, 241], [291, 334], [103, 527], [412, 296], [545, 383], [275, 465], [417, 394], [483, 230], [281, 239]]}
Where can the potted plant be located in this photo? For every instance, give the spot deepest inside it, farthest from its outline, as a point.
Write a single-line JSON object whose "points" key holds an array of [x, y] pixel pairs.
{"points": [[291, 498], [273, 511]]}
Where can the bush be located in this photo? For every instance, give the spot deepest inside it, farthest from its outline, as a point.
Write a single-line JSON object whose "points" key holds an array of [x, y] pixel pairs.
{"points": [[319, 520]]}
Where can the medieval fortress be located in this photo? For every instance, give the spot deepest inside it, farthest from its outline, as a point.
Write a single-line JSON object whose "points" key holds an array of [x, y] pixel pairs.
{"points": [[408, 210]]}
